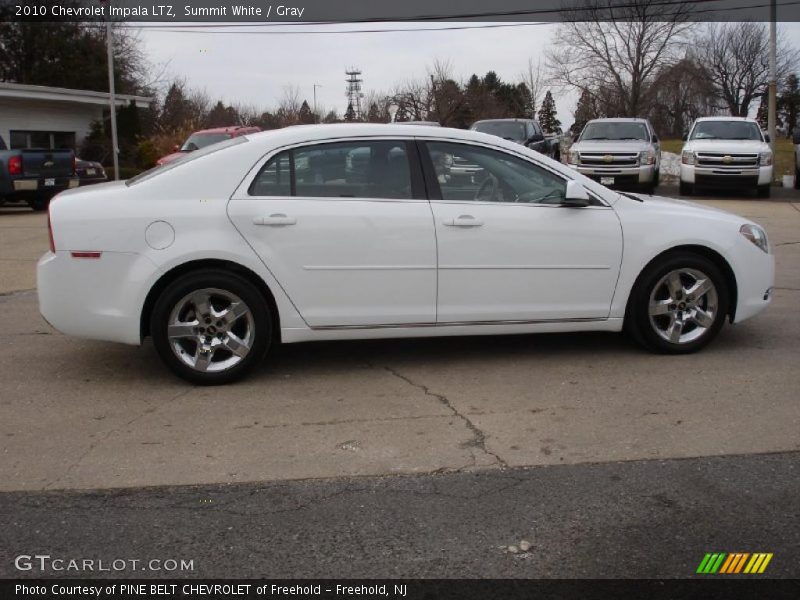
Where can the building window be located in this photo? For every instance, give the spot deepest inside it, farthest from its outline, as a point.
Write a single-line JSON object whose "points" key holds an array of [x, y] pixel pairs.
{"points": [[51, 140]]}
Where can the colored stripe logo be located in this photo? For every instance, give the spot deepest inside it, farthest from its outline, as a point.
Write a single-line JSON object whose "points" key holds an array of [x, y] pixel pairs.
{"points": [[734, 563]]}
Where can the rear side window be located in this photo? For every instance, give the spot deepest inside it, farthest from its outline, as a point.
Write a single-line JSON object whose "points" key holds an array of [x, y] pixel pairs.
{"points": [[359, 169], [274, 178]]}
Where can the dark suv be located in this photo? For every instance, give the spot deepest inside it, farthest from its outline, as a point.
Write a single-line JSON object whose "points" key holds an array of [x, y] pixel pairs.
{"points": [[527, 132]]}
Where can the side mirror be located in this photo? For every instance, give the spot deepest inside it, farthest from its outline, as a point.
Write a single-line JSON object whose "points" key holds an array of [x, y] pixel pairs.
{"points": [[684, 137], [576, 196], [175, 148], [575, 138], [655, 139], [767, 138]]}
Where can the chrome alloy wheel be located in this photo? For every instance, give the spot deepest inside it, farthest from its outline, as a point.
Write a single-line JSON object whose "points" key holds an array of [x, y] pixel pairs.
{"points": [[683, 306], [211, 330]]}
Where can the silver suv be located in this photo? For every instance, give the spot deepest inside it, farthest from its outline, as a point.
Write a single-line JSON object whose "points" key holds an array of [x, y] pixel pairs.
{"points": [[619, 153]]}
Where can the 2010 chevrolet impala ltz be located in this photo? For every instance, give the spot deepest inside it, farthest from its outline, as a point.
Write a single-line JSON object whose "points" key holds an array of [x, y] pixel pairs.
{"points": [[375, 231]]}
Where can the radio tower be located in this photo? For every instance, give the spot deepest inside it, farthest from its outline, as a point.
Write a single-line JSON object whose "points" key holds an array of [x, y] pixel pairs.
{"points": [[354, 93]]}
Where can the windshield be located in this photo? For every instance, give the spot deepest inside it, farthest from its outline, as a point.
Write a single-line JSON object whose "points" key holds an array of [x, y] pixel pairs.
{"points": [[611, 130], [201, 140], [726, 130], [510, 130]]}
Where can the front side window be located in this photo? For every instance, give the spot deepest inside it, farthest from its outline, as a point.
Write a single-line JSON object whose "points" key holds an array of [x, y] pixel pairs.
{"points": [[362, 169], [474, 173]]}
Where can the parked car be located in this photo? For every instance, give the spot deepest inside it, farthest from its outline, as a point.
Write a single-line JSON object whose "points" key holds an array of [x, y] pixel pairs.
{"points": [[619, 153], [527, 132], [35, 175], [203, 138], [796, 141], [221, 255], [726, 153], [89, 172]]}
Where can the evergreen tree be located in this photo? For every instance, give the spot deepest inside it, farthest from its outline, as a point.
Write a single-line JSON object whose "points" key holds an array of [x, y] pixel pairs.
{"points": [[585, 111], [374, 114], [547, 114], [350, 113], [305, 115], [789, 104]]}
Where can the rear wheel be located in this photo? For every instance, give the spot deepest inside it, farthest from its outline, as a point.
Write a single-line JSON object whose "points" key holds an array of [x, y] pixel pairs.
{"points": [[39, 202], [686, 189], [678, 304], [211, 327]]}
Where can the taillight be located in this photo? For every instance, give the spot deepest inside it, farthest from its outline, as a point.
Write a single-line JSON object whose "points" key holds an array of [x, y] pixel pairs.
{"points": [[15, 165], [50, 232]]}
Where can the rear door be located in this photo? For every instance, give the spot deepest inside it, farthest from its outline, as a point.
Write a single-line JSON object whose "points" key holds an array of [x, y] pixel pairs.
{"points": [[346, 230]]}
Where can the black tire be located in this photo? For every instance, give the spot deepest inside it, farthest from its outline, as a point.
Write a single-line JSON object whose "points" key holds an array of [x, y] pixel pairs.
{"points": [[638, 322], [657, 178], [764, 191], [797, 179], [649, 188], [39, 203], [258, 321], [686, 189]]}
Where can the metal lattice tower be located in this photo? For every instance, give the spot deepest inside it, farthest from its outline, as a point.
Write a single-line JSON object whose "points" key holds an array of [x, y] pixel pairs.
{"points": [[354, 93]]}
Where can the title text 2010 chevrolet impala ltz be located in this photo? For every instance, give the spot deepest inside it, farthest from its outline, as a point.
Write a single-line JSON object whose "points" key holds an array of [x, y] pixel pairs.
{"points": [[376, 231]]}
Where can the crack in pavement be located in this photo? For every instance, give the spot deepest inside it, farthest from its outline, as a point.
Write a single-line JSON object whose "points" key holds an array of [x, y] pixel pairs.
{"points": [[478, 437]]}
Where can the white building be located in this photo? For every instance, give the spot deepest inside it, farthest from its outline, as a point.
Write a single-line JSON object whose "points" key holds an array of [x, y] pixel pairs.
{"points": [[36, 116]]}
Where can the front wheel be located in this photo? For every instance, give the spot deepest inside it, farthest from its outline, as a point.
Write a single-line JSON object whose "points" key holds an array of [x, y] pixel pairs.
{"points": [[797, 179], [686, 189], [678, 305], [764, 191], [211, 327]]}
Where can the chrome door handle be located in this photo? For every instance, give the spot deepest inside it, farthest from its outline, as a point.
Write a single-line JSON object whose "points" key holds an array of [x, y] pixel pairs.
{"points": [[464, 221], [276, 219]]}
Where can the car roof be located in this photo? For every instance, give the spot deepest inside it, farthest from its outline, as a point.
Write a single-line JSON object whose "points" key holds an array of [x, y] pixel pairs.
{"points": [[275, 138], [516, 119]]}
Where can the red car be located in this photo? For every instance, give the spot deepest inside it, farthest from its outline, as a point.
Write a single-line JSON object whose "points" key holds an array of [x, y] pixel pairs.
{"points": [[205, 137]]}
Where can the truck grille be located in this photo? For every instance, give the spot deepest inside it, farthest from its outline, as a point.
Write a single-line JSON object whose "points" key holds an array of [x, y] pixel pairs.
{"points": [[720, 160], [609, 159]]}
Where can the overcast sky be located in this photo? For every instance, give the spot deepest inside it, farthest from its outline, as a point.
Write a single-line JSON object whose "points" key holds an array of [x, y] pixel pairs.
{"points": [[255, 69]]}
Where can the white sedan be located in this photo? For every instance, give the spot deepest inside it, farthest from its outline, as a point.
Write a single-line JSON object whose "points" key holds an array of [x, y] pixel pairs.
{"points": [[368, 231]]}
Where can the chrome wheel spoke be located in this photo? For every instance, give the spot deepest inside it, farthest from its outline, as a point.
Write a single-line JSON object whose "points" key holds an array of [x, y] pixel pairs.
{"points": [[202, 359], [660, 307], [674, 330], [699, 289], [236, 345], [234, 312], [202, 304], [702, 318], [674, 285], [182, 330]]}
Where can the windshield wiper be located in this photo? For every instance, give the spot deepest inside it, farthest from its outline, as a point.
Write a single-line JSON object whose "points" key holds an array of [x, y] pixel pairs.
{"points": [[631, 196]]}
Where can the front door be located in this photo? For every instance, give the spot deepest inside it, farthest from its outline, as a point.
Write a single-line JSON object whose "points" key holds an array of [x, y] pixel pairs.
{"points": [[508, 249]]}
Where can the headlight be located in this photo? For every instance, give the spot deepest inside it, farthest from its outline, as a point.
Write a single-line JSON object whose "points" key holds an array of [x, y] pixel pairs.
{"points": [[574, 157], [756, 235], [647, 158], [765, 159], [687, 157]]}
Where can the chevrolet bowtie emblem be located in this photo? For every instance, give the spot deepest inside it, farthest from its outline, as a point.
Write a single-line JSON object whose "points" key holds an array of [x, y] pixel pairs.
{"points": [[48, 163], [608, 158], [727, 159]]}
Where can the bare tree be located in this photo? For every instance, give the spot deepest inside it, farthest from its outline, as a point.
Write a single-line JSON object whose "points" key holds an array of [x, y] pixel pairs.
{"points": [[534, 76], [618, 49], [735, 59], [288, 111]]}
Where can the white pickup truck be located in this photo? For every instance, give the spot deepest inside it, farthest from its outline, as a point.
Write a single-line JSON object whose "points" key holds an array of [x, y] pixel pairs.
{"points": [[726, 153]]}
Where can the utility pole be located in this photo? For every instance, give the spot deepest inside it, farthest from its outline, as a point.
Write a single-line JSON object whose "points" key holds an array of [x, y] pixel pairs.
{"points": [[315, 86], [112, 98], [773, 76]]}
